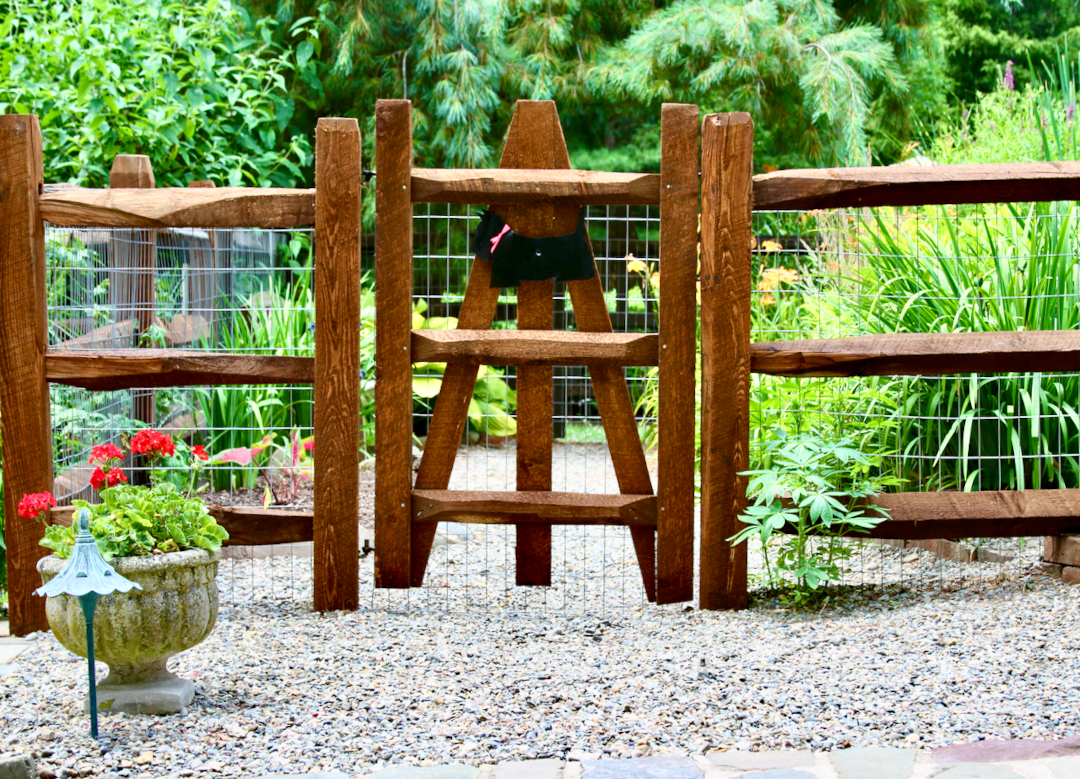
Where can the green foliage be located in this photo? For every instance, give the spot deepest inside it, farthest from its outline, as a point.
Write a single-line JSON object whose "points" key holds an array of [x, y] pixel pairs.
{"points": [[199, 87], [809, 489], [136, 521]]}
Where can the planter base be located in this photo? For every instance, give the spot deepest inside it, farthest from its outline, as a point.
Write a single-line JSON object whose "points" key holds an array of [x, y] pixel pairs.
{"points": [[167, 694]]}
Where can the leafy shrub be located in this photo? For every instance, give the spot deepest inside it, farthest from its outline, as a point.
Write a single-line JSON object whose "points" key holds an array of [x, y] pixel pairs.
{"points": [[196, 86]]}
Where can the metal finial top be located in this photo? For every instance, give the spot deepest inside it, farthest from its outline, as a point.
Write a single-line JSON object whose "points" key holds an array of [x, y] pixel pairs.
{"points": [[87, 570]]}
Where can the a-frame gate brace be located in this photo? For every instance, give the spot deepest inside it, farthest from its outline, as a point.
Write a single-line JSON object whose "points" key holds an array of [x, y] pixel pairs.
{"points": [[661, 525]]}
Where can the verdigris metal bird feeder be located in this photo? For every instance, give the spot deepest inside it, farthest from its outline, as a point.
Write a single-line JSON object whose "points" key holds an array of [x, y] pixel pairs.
{"points": [[87, 577]]}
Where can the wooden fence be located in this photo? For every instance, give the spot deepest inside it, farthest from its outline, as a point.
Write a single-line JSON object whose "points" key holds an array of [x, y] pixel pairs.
{"points": [[728, 195]]}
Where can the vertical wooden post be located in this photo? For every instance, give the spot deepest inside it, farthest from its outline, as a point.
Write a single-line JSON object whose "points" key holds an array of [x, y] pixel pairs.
{"points": [[679, 133], [338, 179], [535, 140], [393, 342], [727, 159], [134, 261], [202, 284], [24, 391]]}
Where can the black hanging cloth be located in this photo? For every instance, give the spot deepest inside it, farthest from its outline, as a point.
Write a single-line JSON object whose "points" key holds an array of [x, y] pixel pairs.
{"points": [[515, 258]]}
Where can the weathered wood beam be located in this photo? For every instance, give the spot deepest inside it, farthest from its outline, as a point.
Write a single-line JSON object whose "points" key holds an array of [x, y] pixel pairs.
{"points": [[535, 347], [115, 335], [125, 369], [552, 508], [534, 186], [916, 185], [913, 354], [180, 207]]}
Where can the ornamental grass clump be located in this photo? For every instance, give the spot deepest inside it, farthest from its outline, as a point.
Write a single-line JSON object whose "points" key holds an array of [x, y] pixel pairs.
{"points": [[130, 520]]}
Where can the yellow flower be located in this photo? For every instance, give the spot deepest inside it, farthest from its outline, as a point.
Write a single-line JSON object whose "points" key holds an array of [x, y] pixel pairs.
{"points": [[634, 265], [767, 299], [771, 246], [771, 278], [654, 280]]}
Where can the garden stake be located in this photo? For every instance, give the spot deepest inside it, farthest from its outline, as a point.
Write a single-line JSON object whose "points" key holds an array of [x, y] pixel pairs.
{"points": [[87, 577]]}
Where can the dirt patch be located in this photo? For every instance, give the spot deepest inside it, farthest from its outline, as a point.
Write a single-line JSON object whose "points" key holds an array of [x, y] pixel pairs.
{"points": [[304, 500]]}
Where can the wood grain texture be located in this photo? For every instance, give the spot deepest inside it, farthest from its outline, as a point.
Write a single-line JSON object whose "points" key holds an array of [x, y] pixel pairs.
{"points": [[926, 354], [180, 207], [246, 526], [118, 335], [535, 347], [543, 506], [450, 415], [535, 140], [916, 185], [127, 368], [24, 390], [133, 274], [534, 186], [1063, 550], [679, 159], [338, 182], [393, 339], [988, 514], [727, 143]]}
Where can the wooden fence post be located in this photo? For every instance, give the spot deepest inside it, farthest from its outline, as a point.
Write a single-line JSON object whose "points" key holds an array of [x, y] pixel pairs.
{"points": [[134, 263], [393, 343], [338, 180], [727, 149], [679, 160], [24, 392]]}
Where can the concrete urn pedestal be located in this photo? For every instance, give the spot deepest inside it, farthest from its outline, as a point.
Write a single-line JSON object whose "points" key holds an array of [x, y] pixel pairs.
{"points": [[136, 633]]}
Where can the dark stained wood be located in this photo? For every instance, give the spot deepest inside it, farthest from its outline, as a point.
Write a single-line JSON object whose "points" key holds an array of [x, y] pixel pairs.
{"points": [[535, 347], [118, 335], [534, 186], [246, 526], [24, 390], [916, 185], [393, 339], [535, 140], [727, 144], [338, 183], [450, 415], [180, 207], [1063, 550], [988, 514], [541, 507], [679, 134], [133, 272], [921, 354], [127, 368]]}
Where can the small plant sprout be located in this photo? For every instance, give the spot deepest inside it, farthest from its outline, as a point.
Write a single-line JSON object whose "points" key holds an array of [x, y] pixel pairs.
{"points": [[812, 491]]}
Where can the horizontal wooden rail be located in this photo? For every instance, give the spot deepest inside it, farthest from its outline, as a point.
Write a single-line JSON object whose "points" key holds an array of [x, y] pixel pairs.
{"points": [[117, 335], [245, 526], [508, 185], [535, 347], [916, 185], [127, 369], [180, 207], [551, 508], [989, 514], [913, 354]]}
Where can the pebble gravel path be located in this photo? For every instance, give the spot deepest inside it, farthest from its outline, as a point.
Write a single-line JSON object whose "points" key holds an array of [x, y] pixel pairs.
{"points": [[283, 690]]}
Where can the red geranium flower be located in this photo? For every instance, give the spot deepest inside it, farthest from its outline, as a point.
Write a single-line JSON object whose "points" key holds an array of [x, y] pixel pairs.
{"points": [[115, 476], [153, 443], [105, 454], [33, 505], [200, 452], [98, 479]]}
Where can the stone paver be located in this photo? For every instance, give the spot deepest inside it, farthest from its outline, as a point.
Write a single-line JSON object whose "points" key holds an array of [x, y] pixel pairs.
{"points": [[320, 775], [434, 772], [777, 773], [641, 768], [999, 751], [873, 763], [529, 769], [18, 767], [9, 651], [1064, 767], [978, 771], [759, 761]]}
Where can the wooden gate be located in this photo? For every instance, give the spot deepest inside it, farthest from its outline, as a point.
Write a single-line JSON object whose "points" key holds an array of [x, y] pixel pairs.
{"points": [[537, 194]]}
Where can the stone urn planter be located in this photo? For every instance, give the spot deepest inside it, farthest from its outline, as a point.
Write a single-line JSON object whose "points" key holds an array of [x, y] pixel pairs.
{"points": [[137, 632]]}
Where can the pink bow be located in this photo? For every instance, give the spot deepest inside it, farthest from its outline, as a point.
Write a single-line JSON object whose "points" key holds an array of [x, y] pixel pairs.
{"points": [[497, 238]]}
